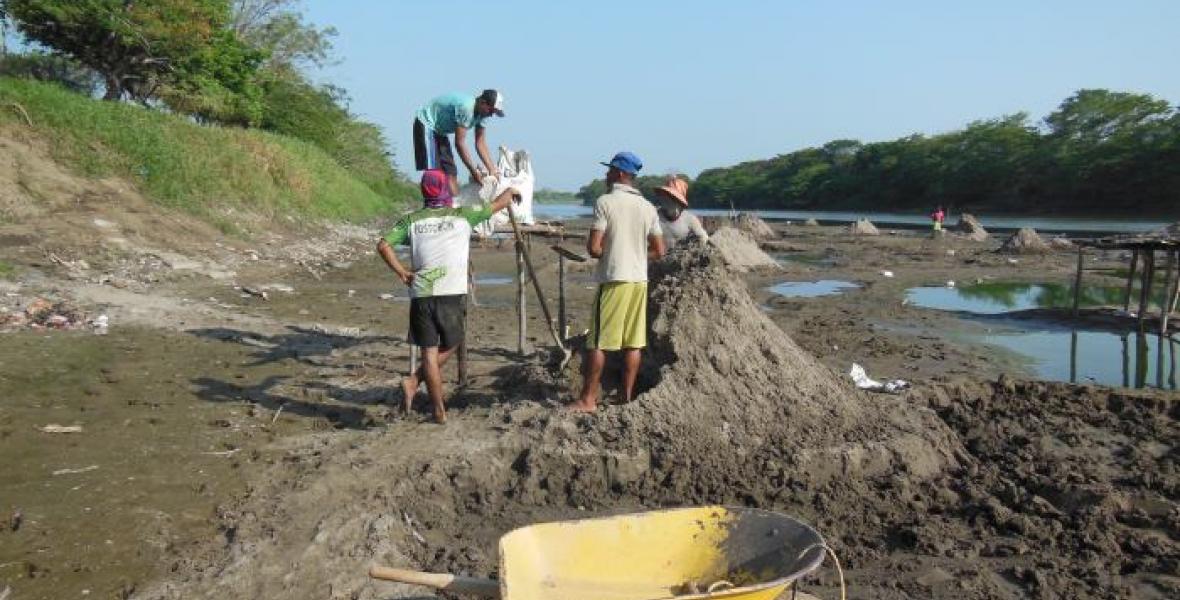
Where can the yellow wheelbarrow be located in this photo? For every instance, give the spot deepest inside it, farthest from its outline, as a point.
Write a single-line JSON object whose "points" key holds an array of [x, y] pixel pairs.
{"points": [[682, 554]]}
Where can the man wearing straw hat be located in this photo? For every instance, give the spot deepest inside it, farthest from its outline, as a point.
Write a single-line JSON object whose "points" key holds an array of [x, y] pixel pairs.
{"points": [[675, 220], [624, 236]]}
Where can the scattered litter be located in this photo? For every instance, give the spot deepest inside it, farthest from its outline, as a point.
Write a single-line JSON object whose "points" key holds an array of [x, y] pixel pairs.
{"points": [[386, 296], [950, 284], [950, 252], [75, 471], [1013, 261], [55, 428], [351, 293], [887, 274], [256, 292], [101, 324], [277, 413], [278, 287], [103, 223], [862, 381], [413, 531], [44, 314], [223, 452]]}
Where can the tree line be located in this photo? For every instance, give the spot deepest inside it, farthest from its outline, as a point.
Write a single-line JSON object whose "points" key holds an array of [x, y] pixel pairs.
{"points": [[1099, 152], [226, 62]]}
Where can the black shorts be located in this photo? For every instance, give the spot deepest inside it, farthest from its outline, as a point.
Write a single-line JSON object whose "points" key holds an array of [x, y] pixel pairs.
{"points": [[432, 150], [438, 320]]}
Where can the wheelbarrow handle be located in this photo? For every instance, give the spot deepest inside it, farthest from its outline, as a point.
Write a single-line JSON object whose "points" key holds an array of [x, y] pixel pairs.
{"points": [[488, 588]]}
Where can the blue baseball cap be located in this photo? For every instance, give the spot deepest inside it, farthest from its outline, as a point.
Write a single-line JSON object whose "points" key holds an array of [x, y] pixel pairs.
{"points": [[625, 162]]}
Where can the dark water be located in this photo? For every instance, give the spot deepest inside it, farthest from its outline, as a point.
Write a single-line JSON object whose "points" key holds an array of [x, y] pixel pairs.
{"points": [[994, 298], [493, 280], [999, 223], [1079, 356], [1061, 353], [812, 289]]}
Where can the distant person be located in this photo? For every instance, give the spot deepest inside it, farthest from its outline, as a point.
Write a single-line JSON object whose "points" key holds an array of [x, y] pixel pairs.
{"points": [[439, 237], [455, 114], [624, 236], [675, 220], [937, 217]]}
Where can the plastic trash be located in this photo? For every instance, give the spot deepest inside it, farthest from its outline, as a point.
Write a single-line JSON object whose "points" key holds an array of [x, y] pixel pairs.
{"points": [[862, 381], [887, 274]]}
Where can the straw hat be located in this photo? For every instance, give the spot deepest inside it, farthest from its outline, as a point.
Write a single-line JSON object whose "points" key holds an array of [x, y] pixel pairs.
{"points": [[676, 188]]}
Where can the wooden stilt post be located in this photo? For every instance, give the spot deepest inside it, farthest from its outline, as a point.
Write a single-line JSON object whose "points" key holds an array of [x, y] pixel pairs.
{"points": [[1130, 280], [522, 324], [1140, 359], [1166, 301], [562, 324], [1077, 284], [1126, 363], [413, 358], [1073, 356], [1145, 285]]}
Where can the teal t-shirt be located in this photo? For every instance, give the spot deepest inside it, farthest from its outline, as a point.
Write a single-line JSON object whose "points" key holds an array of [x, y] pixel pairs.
{"points": [[444, 113]]}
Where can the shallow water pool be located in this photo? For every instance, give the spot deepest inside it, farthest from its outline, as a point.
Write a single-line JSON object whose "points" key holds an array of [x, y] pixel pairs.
{"points": [[812, 289], [1079, 356], [995, 298]]}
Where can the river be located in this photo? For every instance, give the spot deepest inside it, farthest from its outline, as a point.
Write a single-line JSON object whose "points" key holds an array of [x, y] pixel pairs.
{"points": [[1045, 224]]}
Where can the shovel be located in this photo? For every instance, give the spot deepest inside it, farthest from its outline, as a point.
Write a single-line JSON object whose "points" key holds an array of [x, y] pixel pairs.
{"points": [[457, 584], [528, 262]]}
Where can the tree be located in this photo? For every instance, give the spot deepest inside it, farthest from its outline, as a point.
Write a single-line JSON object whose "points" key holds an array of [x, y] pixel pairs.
{"points": [[135, 46], [43, 66], [276, 28]]}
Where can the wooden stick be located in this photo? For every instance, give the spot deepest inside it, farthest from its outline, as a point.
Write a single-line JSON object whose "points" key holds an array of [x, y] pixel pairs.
{"points": [[1165, 302], [488, 588], [1175, 287], [562, 326], [1145, 285], [1077, 284], [1130, 280], [522, 323]]}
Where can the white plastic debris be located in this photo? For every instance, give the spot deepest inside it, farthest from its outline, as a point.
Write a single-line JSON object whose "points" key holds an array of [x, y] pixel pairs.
{"points": [[862, 381], [55, 428], [950, 284], [887, 274]]}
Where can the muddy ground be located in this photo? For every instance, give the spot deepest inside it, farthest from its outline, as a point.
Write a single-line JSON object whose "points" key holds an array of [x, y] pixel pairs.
{"points": [[233, 446]]}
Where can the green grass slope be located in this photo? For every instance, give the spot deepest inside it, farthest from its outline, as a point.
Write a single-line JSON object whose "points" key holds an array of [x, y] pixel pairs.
{"points": [[203, 170]]}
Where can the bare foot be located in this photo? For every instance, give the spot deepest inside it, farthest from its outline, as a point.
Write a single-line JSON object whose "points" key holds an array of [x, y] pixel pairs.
{"points": [[582, 407], [440, 415], [409, 389]]}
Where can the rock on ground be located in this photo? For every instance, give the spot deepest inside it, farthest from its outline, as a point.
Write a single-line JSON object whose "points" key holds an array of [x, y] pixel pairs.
{"points": [[970, 227], [1025, 241], [740, 251], [811, 223], [863, 227]]}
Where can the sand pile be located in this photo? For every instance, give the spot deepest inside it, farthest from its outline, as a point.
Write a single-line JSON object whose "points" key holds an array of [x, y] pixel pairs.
{"points": [[970, 227], [1025, 241], [755, 226], [732, 385], [811, 223], [740, 251], [863, 227]]}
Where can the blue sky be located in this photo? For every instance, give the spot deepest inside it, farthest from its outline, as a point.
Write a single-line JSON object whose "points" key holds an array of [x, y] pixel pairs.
{"points": [[692, 85]]}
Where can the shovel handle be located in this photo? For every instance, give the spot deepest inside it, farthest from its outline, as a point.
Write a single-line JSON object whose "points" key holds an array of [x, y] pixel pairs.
{"points": [[488, 588]]}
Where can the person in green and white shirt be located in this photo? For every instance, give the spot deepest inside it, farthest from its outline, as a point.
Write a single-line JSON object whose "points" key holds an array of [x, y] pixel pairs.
{"points": [[439, 237]]}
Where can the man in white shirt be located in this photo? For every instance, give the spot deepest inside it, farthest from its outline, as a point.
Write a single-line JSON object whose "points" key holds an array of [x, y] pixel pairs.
{"points": [[439, 236], [624, 236]]}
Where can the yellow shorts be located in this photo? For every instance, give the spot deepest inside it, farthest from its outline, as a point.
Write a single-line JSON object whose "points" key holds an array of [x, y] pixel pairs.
{"points": [[620, 316]]}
